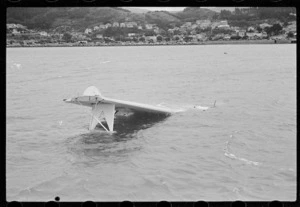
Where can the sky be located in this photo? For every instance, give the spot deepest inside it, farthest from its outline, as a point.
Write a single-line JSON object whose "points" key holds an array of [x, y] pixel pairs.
{"points": [[217, 9], [163, 8]]}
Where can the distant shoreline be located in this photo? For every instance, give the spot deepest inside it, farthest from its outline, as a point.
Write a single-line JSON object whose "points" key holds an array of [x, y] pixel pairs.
{"points": [[217, 42]]}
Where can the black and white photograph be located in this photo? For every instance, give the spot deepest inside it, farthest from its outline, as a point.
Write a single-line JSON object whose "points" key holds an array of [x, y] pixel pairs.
{"points": [[151, 103]]}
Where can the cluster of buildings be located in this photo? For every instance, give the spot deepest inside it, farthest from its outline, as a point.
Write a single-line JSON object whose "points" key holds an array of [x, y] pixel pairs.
{"points": [[198, 31]]}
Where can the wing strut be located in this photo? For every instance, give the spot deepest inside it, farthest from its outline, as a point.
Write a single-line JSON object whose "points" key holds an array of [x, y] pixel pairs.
{"points": [[108, 112]]}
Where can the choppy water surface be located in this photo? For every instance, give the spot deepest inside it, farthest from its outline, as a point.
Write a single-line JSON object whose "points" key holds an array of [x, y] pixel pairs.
{"points": [[244, 148]]}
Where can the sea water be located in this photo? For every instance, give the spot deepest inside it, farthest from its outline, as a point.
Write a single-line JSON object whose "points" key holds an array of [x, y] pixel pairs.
{"points": [[244, 148]]}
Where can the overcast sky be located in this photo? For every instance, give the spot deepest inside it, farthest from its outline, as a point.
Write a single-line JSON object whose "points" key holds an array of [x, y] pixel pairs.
{"points": [[162, 8], [181, 8]]}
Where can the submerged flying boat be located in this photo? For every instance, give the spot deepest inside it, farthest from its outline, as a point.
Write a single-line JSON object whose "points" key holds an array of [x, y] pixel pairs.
{"points": [[108, 109]]}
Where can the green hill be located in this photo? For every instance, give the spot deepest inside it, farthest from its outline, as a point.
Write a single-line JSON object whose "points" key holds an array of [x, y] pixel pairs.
{"points": [[80, 18], [194, 13]]}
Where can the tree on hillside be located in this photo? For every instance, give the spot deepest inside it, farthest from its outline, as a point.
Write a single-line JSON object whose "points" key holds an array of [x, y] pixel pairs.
{"points": [[159, 38], [274, 30], [259, 29], [149, 33], [187, 38], [67, 37], [290, 34], [225, 14], [142, 39]]}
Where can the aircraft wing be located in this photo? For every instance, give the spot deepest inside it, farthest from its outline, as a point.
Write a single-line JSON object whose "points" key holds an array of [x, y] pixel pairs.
{"points": [[119, 104]]}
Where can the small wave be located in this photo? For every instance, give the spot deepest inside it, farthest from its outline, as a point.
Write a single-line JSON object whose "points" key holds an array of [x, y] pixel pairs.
{"points": [[233, 156], [182, 108], [227, 153], [13, 118], [173, 108]]}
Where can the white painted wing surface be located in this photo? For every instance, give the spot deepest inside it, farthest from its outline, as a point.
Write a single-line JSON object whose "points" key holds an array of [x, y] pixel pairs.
{"points": [[92, 100], [137, 106]]}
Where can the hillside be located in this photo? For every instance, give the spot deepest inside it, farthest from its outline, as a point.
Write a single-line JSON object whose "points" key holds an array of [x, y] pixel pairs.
{"points": [[195, 13], [136, 10], [80, 18], [77, 17], [83, 17]]}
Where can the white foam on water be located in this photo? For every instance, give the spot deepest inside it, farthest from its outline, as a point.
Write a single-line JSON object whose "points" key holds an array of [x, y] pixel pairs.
{"points": [[233, 156], [17, 65], [203, 108]]}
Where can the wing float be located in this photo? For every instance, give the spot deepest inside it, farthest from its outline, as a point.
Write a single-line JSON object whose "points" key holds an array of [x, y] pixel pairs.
{"points": [[107, 108]]}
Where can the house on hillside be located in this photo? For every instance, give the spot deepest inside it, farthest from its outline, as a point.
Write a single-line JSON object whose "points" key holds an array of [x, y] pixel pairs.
{"points": [[201, 37], [254, 36], [151, 38], [108, 25], [241, 33], [219, 23], [99, 36], [264, 25], [15, 31], [171, 31], [226, 37], [251, 29], [132, 34], [292, 27], [187, 24], [149, 26], [122, 24], [203, 23], [96, 27], [88, 31], [116, 24], [194, 26], [225, 26], [102, 26], [43, 33], [131, 24], [15, 26], [193, 32], [78, 35], [157, 30]]}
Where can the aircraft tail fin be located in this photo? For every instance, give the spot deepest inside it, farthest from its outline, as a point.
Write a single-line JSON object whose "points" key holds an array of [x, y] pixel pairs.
{"points": [[91, 91]]}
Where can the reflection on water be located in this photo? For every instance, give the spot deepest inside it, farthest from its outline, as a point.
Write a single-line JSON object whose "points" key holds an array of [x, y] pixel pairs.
{"points": [[99, 143]]}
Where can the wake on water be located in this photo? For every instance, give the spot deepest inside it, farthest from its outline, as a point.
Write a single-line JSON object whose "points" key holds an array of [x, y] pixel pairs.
{"points": [[227, 153]]}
